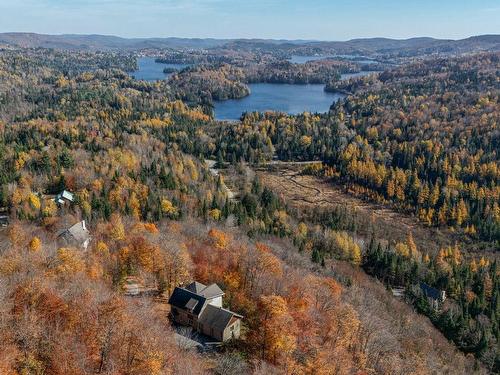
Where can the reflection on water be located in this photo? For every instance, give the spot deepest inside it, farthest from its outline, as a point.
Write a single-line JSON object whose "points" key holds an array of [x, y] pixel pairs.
{"points": [[149, 70], [295, 59], [287, 98]]}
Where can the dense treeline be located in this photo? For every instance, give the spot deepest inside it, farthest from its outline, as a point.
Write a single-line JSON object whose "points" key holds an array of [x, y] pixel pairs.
{"points": [[321, 71], [203, 84], [354, 84], [67, 63], [470, 318], [192, 57], [61, 85]]}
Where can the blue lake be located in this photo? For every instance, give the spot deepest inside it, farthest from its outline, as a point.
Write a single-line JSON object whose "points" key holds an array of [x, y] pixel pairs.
{"points": [[287, 98], [295, 59], [149, 70], [292, 99]]}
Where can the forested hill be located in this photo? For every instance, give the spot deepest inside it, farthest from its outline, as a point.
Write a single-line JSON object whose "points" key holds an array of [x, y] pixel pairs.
{"points": [[133, 158], [101, 42], [423, 139], [406, 47]]}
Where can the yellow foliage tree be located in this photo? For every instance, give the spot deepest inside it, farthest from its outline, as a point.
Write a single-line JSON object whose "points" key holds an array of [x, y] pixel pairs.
{"points": [[305, 141], [215, 214], [34, 201], [402, 249], [49, 209], [135, 205], [35, 244], [302, 230], [167, 207], [347, 246], [218, 238], [102, 248], [277, 329], [412, 247], [116, 228], [69, 261]]}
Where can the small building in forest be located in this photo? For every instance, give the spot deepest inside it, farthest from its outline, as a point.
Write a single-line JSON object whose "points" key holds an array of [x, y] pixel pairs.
{"points": [[133, 286], [434, 296], [4, 220], [200, 307], [4, 216], [76, 235], [64, 197], [398, 292]]}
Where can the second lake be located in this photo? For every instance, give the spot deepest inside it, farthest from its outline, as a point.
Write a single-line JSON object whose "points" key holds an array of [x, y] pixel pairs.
{"points": [[292, 99], [150, 70]]}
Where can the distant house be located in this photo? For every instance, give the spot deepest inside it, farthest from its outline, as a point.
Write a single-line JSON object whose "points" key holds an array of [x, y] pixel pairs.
{"points": [[435, 297], [64, 197], [4, 221], [398, 292], [200, 307], [133, 286], [76, 235], [4, 217]]}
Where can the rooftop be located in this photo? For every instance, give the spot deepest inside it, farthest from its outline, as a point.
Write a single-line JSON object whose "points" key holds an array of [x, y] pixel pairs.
{"points": [[430, 291], [79, 231], [217, 317], [64, 195], [184, 299], [210, 291], [76, 234]]}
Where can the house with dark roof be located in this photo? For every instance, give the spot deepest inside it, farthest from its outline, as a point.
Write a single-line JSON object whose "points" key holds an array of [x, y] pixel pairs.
{"points": [[200, 307], [434, 296]]}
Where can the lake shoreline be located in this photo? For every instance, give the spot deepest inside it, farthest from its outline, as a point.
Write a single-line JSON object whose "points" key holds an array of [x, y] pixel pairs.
{"points": [[287, 97], [278, 97]]}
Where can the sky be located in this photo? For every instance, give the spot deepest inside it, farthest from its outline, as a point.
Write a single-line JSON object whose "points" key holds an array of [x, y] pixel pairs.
{"points": [[277, 19]]}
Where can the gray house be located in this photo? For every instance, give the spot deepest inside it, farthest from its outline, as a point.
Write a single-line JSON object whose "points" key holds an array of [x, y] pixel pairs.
{"points": [[76, 235], [200, 307]]}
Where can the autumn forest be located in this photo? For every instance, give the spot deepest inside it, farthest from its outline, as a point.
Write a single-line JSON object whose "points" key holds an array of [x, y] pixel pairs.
{"points": [[168, 194]]}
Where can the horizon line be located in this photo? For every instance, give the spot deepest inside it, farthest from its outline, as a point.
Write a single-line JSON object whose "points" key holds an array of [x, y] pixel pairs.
{"points": [[246, 38]]}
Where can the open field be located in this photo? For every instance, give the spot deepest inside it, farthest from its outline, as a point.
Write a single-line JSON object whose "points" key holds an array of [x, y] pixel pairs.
{"points": [[305, 192]]}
